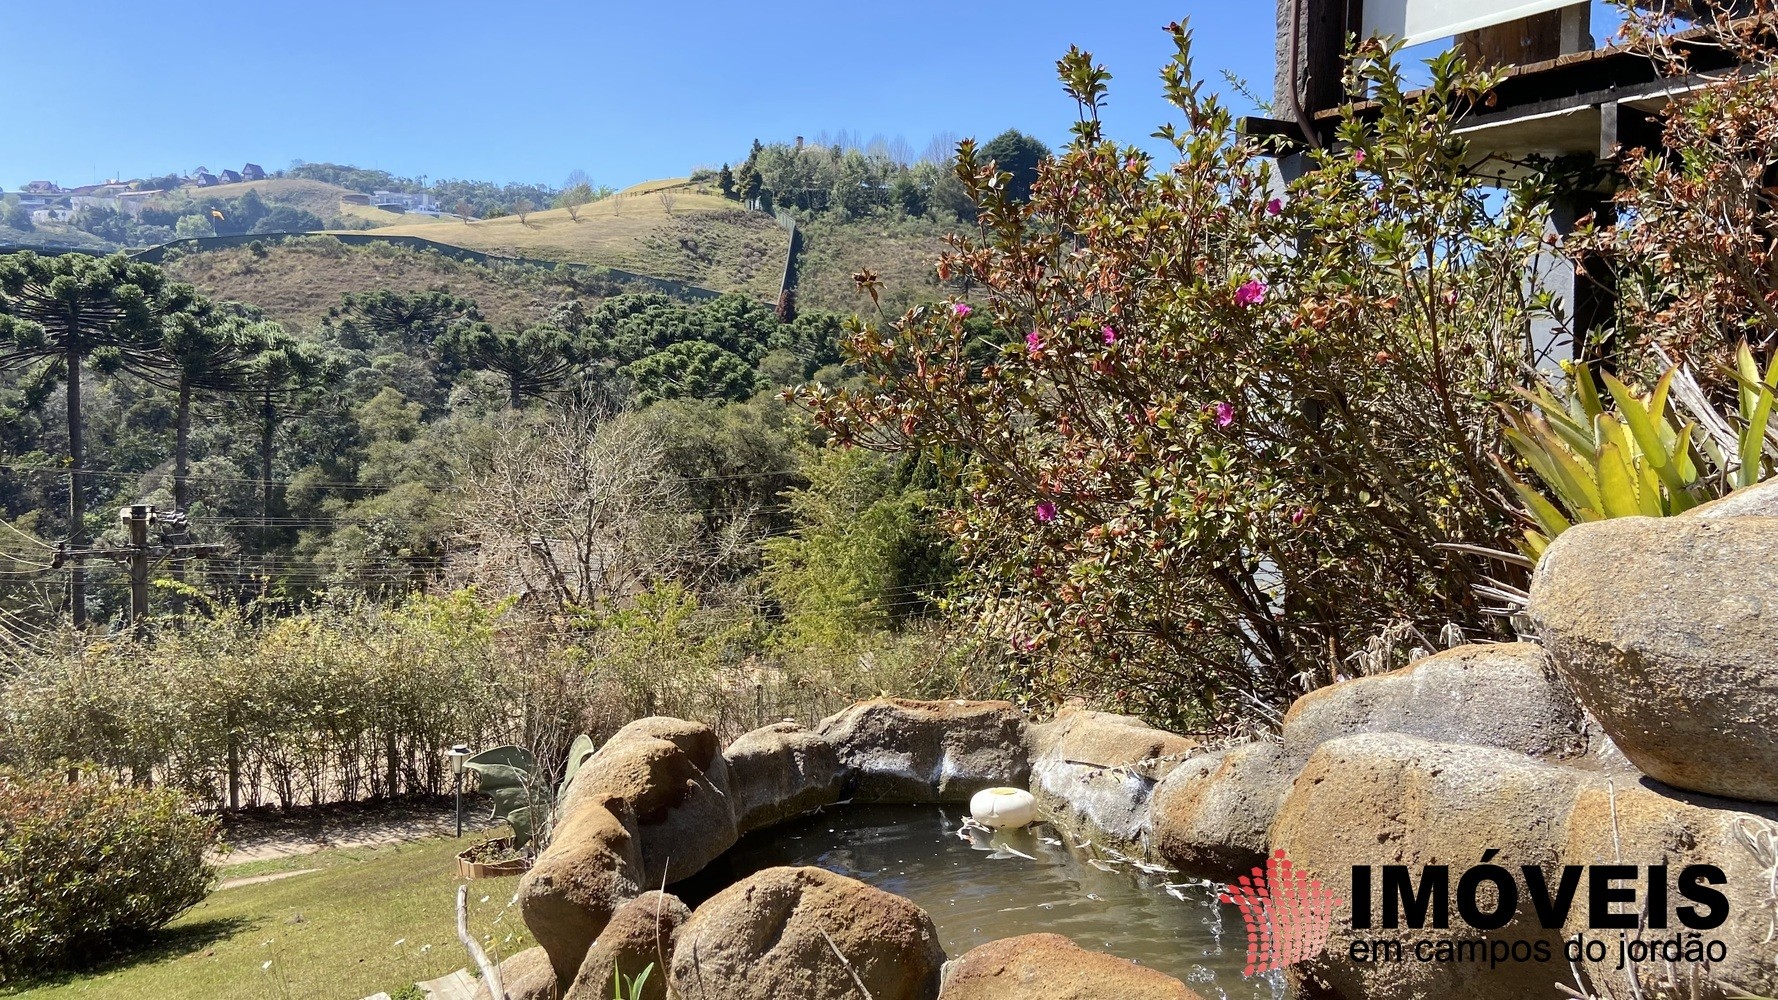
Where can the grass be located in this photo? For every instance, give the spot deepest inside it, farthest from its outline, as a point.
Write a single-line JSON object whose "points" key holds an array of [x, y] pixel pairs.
{"points": [[296, 283], [706, 239], [318, 197], [371, 919], [903, 253]]}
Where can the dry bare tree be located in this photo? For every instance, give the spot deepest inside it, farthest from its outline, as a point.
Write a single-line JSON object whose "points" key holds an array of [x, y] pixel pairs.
{"points": [[465, 210], [522, 208], [901, 152], [573, 198], [667, 198], [574, 507], [941, 149]]}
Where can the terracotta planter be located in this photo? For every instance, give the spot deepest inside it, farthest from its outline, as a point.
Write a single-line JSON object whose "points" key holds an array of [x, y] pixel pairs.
{"points": [[492, 869]]}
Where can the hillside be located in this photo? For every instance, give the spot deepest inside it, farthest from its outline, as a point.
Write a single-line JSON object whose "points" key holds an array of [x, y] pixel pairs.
{"points": [[310, 196], [902, 252], [707, 240], [296, 282], [703, 239]]}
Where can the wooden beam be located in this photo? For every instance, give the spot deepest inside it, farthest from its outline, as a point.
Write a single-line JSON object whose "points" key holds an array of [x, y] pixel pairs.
{"points": [[1623, 127], [1311, 60]]}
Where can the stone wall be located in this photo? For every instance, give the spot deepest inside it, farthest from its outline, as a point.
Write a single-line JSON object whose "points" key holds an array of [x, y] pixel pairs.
{"points": [[1659, 664]]}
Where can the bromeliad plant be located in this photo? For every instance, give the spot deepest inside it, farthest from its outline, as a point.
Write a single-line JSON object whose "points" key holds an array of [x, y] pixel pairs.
{"points": [[1638, 459], [521, 789]]}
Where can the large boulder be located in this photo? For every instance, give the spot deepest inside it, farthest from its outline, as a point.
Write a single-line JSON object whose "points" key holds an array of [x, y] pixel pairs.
{"points": [[781, 771], [1504, 695], [527, 975], [1387, 799], [928, 751], [1093, 772], [781, 934], [1648, 825], [641, 934], [1666, 629], [670, 776], [1051, 967], [592, 865], [1758, 500], [1210, 816]]}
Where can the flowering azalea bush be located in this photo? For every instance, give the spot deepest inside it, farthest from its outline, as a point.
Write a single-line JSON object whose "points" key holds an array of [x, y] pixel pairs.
{"points": [[1232, 424]]}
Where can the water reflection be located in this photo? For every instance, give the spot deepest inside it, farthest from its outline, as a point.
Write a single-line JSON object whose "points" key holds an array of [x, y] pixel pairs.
{"points": [[980, 887]]}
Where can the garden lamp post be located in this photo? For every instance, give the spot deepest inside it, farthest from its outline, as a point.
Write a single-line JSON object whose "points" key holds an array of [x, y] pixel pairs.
{"points": [[459, 753]]}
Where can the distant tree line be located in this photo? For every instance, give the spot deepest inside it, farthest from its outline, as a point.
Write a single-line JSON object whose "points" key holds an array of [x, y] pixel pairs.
{"points": [[841, 177]]}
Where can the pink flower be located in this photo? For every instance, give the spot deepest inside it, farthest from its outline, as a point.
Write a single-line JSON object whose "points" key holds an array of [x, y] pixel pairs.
{"points": [[1299, 515], [1034, 341], [962, 309], [1274, 206], [1251, 294], [1046, 512], [1225, 414], [1450, 296], [1109, 334], [1358, 157]]}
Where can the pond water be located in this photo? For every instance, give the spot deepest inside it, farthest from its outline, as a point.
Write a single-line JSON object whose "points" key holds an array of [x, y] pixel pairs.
{"points": [[994, 886]]}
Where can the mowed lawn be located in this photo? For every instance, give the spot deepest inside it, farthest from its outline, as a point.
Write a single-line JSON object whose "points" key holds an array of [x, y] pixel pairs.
{"points": [[370, 919]]}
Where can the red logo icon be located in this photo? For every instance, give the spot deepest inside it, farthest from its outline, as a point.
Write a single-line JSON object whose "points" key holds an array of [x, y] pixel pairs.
{"points": [[1288, 914]]}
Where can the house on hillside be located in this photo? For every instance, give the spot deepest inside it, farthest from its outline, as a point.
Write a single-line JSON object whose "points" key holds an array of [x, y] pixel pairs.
{"points": [[132, 203], [402, 201], [40, 194], [253, 172], [230, 177], [204, 178]]}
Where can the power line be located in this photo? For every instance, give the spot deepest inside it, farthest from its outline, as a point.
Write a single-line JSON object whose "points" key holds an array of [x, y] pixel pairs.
{"points": [[322, 484], [29, 538]]}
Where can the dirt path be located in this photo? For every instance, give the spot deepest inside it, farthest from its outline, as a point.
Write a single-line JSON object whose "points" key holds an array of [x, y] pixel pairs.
{"points": [[268, 836]]}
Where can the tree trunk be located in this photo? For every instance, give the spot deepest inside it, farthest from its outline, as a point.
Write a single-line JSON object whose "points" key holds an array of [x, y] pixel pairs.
{"points": [[516, 399], [182, 465], [76, 492], [267, 425], [182, 449]]}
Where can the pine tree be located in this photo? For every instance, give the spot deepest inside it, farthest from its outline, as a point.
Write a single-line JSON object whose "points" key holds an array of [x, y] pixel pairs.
{"points": [[76, 310]]}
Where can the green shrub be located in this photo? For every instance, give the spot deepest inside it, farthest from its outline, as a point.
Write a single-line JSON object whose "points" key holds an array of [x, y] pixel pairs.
{"points": [[87, 866]]}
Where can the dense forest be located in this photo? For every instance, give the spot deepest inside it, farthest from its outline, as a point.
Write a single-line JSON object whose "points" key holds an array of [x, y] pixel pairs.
{"points": [[367, 451]]}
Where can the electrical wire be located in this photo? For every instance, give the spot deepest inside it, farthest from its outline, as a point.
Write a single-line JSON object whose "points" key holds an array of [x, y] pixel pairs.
{"points": [[318, 484], [29, 538]]}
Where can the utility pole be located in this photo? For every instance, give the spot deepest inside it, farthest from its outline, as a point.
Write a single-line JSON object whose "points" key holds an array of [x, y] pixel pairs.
{"points": [[135, 520], [138, 554]]}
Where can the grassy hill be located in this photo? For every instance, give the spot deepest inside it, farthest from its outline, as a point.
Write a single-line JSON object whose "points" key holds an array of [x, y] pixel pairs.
{"points": [[701, 238], [667, 228], [310, 196], [297, 281], [707, 240], [902, 252]]}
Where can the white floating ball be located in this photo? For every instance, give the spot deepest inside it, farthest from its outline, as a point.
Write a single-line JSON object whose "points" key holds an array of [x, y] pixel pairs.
{"points": [[1003, 807]]}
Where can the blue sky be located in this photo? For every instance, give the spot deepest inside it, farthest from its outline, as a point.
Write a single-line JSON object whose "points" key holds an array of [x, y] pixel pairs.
{"points": [[625, 90]]}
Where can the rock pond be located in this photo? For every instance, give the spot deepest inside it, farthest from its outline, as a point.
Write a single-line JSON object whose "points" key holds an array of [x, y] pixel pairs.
{"points": [[1635, 733], [983, 888]]}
